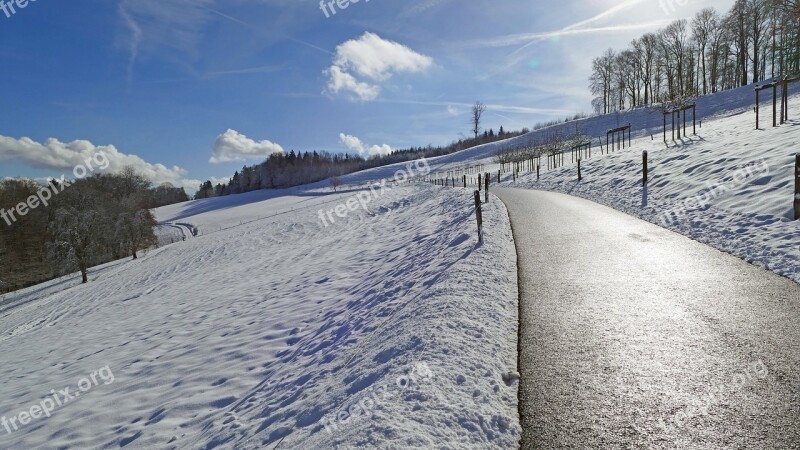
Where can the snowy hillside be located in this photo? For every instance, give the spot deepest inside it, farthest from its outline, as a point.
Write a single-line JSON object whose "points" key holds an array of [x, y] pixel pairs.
{"points": [[645, 122], [279, 322], [391, 327], [730, 186]]}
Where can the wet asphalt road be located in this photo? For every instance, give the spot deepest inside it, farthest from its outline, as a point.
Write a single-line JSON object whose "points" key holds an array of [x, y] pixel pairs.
{"points": [[633, 336]]}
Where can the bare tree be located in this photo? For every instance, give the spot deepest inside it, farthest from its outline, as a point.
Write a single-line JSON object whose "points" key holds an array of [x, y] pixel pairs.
{"points": [[703, 25], [477, 113], [712, 53], [335, 183], [601, 81]]}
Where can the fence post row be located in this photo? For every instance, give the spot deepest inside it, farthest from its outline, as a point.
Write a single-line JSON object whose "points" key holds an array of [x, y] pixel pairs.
{"points": [[784, 101], [679, 111], [618, 140]]}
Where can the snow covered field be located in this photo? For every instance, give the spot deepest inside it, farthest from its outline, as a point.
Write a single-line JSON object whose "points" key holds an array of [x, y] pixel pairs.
{"points": [[390, 328], [278, 323]]}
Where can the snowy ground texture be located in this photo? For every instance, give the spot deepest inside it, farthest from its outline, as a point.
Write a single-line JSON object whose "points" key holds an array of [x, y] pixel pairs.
{"points": [[731, 187], [391, 328]]}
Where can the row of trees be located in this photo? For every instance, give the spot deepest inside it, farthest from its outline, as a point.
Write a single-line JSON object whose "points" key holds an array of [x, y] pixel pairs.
{"points": [[754, 41], [549, 143], [92, 221], [283, 170]]}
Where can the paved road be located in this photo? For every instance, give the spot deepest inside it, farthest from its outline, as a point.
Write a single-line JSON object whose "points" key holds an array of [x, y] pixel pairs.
{"points": [[636, 337]]}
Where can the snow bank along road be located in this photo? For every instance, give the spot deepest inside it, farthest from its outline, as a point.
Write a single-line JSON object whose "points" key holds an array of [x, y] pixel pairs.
{"points": [[633, 336], [391, 328]]}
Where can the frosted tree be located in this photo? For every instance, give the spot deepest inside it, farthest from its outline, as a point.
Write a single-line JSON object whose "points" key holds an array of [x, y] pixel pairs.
{"points": [[134, 229], [76, 235]]}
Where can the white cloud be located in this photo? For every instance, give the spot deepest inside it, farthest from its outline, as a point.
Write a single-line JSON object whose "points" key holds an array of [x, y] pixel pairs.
{"points": [[375, 59], [343, 81], [355, 144], [66, 156], [233, 146], [381, 150]]}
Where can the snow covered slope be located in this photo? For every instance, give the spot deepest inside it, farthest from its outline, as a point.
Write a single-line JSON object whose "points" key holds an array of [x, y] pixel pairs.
{"points": [[389, 328], [730, 186], [282, 324]]}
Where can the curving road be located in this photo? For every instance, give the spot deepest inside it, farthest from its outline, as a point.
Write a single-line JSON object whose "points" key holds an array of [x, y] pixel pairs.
{"points": [[633, 336]]}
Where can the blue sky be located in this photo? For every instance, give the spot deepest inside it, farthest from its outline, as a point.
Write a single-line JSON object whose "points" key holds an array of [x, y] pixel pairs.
{"points": [[186, 90]]}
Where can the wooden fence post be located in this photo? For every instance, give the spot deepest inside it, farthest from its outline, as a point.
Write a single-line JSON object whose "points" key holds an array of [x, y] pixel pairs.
{"points": [[486, 186], [785, 102], [480, 181], [580, 176], [673, 126], [644, 168], [757, 102], [774, 104], [797, 187], [783, 97], [498, 177], [538, 169], [479, 215], [684, 123]]}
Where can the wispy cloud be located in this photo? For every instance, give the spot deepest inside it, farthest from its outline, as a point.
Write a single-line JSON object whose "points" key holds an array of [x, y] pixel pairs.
{"points": [[606, 14], [455, 106], [422, 6], [528, 38], [575, 28], [250, 70], [582, 27], [173, 29], [135, 39]]}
